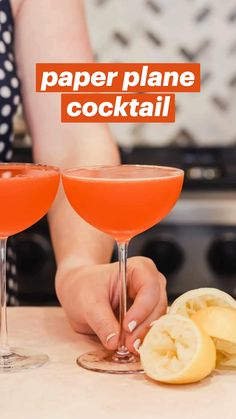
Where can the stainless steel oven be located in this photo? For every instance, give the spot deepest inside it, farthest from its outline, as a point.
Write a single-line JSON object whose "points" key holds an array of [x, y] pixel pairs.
{"points": [[195, 246]]}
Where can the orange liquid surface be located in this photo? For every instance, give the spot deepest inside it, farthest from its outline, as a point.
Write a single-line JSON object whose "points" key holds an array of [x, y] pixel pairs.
{"points": [[123, 201], [26, 194]]}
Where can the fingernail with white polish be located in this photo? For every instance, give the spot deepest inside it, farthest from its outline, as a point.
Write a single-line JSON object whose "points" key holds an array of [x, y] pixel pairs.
{"points": [[136, 344], [132, 325], [110, 336]]}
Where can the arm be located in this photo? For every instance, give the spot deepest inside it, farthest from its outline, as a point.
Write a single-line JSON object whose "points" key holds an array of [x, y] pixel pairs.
{"points": [[54, 31]]}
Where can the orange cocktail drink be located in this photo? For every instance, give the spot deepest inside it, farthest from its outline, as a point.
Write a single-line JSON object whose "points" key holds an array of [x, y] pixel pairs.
{"points": [[121, 201], [26, 191]]}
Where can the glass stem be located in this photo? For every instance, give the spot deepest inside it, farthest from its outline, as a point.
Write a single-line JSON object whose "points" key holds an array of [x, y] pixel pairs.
{"points": [[4, 348], [122, 351]]}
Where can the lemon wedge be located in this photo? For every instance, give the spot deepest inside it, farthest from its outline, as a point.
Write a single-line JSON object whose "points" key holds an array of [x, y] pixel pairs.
{"points": [[194, 300], [177, 351], [220, 324]]}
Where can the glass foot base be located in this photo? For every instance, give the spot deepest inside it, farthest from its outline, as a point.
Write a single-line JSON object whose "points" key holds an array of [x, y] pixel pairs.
{"points": [[18, 359], [107, 362]]}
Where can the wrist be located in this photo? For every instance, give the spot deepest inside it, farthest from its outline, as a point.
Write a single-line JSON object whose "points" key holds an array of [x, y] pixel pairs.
{"points": [[69, 271]]}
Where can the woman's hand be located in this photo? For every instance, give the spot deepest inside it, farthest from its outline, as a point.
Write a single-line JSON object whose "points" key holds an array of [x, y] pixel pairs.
{"points": [[90, 298]]}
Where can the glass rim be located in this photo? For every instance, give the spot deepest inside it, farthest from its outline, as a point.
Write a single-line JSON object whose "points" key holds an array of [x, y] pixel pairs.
{"points": [[46, 166], [178, 172]]}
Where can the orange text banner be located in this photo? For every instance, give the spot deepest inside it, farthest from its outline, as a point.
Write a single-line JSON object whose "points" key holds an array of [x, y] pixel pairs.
{"points": [[118, 108], [117, 77]]}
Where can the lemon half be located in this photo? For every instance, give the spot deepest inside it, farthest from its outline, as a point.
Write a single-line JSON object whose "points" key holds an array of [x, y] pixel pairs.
{"points": [[194, 300], [220, 324], [177, 351]]}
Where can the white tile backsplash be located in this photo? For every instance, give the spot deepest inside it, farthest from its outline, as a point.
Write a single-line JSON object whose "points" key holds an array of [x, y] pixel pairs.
{"points": [[174, 31]]}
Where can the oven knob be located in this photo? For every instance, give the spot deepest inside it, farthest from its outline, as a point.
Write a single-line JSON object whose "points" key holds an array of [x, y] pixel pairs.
{"points": [[165, 253], [35, 266], [33, 252], [222, 255]]}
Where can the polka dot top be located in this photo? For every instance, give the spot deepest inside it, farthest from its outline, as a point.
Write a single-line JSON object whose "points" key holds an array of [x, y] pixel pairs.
{"points": [[9, 83], [9, 100]]}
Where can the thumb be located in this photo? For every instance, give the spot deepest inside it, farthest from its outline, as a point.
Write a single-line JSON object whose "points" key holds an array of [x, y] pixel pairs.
{"points": [[102, 320]]}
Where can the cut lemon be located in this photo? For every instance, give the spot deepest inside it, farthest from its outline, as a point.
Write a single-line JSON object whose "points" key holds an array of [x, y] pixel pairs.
{"points": [[225, 354], [194, 300], [220, 324], [177, 351]]}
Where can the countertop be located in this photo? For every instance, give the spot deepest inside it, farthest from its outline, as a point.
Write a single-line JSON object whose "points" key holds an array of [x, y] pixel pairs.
{"points": [[62, 390]]}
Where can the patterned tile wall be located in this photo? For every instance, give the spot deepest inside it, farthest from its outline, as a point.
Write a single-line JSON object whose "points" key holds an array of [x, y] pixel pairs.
{"points": [[174, 31]]}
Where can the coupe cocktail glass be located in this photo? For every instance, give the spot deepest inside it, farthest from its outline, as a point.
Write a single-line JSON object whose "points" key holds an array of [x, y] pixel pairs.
{"points": [[121, 201], [27, 192]]}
